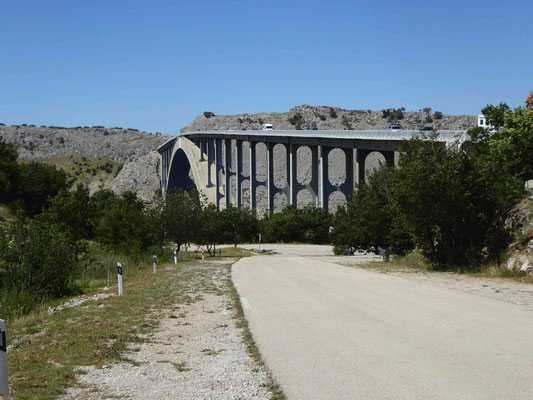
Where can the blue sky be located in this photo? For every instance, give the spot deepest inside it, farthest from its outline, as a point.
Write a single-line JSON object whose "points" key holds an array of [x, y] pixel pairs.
{"points": [[155, 65]]}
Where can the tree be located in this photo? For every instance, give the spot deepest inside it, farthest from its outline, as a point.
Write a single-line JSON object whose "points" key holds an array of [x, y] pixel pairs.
{"points": [[71, 210], [495, 115], [210, 228], [314, 225], [37, 258], [449, 210], [125, 226], [370, 221], [9, 172], [506, 156], [283, 226], [39, 183], [427, 110], [240, 225], [179, 216]]}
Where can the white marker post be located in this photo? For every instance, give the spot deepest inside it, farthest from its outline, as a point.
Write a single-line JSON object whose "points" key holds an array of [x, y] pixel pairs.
{"points": [[155, 263], [203, 256], [119, 267], [176, 256], [4, 387]]}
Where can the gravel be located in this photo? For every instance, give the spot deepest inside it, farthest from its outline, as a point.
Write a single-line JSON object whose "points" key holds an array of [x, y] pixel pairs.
{"points": [[196, 353]]}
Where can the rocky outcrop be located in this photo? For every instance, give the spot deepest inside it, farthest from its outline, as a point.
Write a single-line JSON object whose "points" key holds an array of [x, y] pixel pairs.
{"points": [[329, 118], [140, 176], [520, 222], [116, 144], [130, 147]]}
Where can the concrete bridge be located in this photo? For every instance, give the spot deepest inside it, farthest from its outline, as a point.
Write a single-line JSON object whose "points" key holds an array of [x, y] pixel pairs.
{"points": [[210, 160]]}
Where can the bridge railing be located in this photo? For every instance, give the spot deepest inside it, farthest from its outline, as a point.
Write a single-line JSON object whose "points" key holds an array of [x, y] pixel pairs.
{"points": [[442, 135]]}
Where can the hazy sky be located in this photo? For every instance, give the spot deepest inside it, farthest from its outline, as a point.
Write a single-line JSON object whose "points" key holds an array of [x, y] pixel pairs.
{"points": [[155, 65]]}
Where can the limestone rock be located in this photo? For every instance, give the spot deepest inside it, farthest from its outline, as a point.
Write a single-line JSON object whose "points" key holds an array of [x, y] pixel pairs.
{"points": [[527, 266], [513, 264], [140, 176]]}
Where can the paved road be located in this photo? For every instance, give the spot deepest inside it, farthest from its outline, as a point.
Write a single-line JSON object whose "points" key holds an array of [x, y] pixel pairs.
{"points": [[332, 332]]}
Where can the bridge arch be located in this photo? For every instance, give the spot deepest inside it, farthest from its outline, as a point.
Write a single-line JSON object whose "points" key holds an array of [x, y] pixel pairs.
{"points": [[186, 171]]}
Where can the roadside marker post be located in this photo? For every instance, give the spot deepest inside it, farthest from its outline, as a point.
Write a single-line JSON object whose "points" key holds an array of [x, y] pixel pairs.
{"points": [[4, 387], [203, 256], [119, 271], [259, 242], [176, 256], [155, 263]]}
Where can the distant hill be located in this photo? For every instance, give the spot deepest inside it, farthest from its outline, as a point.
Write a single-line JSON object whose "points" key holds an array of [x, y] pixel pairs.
{"points": [[103, 158], [331, 118]]}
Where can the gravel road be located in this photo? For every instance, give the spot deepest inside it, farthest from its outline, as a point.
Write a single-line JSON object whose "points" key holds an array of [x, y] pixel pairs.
{"points": [[327, 331]]}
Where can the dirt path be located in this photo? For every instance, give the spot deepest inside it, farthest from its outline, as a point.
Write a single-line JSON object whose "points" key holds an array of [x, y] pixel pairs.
{"points": [[197, 352]]}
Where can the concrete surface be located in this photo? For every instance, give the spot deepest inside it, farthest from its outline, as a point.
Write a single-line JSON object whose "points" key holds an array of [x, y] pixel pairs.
{"points": [[332, 332]]}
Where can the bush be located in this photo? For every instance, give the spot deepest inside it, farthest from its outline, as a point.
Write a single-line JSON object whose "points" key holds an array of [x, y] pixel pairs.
{"points": [[297, 120], [125, 227], [437, 115], [9, 172], [332, 112], [370, 221], [450, 211], [305, 225], [38, 185], [208, 114], [37, 263]]}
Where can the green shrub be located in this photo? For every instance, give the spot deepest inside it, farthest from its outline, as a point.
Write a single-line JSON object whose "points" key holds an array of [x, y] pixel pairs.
{"points": [[297, 120], [37, 263]]}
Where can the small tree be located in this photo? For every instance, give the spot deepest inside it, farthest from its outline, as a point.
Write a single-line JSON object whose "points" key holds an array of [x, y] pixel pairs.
{"points": [[209, 114], [37, 258], [240, 225], [437, 115], [370, 221], [39, 183], [9, 172], [210, 228], [179, 216], [446, 205], [495, 115]]}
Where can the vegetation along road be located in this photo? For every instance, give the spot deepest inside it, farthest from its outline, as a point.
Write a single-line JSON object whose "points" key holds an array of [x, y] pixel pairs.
{"points": [[328, 331]]}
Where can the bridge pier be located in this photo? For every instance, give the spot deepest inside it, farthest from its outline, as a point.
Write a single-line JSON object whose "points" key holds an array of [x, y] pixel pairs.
{"points": [[227, 172], [270, 177], [238, 173], [218, 170], [253, 175], [210, 147]]}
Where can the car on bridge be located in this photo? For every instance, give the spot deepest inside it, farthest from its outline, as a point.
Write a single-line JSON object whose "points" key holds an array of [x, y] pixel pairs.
{"points": [[395, 127]]}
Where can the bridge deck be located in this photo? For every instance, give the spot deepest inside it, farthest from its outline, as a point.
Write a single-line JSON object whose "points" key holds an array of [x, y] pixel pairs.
{"points": [[442, 135]]}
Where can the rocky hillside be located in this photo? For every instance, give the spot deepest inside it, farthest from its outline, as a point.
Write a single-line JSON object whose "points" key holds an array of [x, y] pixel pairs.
{"points": [[520, 222], [331, 118], [111, 158]]}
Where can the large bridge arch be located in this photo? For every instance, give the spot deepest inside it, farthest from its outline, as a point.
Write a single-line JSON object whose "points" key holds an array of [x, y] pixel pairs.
{"points": [[185, 169]]}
